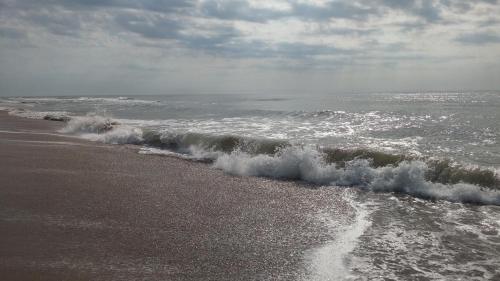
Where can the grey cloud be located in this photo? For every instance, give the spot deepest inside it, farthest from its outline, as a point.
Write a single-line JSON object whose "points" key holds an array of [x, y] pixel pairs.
{"points": [[489, 22], [294, 51], [153, 5], [223, 39], [335, 9], [57, 23], [241, 10], [401, 4], [160, 27], [344, 31], [67, 17], [238, 10], [300, 50], [413, 26], [164, 6], [243, 49], [478, 38], [42, 14], [489, 1], [463, 6], [149, 27], [426, 9], [12, 33], [154, 27]]}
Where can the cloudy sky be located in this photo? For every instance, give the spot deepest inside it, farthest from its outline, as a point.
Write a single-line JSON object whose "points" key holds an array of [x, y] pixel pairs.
{"points": [[63, 47]]}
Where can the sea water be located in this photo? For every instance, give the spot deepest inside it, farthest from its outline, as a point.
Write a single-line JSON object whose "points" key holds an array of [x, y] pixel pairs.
{"points": [[424, 167]]}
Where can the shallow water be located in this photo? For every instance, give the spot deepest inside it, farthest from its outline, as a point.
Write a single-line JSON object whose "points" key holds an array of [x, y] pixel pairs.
{"points": [[424, 240]]}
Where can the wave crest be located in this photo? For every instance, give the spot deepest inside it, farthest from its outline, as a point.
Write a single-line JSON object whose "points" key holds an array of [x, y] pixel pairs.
{"points": [[188, 141], [408, 177], [104, 129], [89, 124]]}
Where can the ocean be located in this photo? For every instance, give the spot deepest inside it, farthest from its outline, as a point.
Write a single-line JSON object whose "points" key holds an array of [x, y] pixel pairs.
{"points": [[421, 170]]}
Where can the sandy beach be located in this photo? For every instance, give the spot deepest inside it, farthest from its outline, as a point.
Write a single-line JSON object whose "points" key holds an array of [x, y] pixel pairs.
{"points": [[71, 209]]}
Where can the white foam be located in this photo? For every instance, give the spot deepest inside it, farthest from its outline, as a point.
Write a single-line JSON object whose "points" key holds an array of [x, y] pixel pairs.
{"points": [[90, 123], [112, 100], [35, 99], [37, 114], [331, 261], [192, 153], [103, 129], [121, 134], [295, 163]]}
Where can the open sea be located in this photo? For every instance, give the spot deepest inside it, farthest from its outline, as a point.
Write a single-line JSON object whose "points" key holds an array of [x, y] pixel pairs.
{"points": [[421, 170]]}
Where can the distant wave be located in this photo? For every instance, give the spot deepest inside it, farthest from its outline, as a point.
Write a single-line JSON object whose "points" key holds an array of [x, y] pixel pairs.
{"points": [[118, 100], [271, 99], [106, 100], [47, 115], [369, 170]]}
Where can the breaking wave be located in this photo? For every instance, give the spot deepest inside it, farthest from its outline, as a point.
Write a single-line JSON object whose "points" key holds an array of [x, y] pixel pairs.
{"points": [[104, 129], [407, 177], [187, 141], [89, 124], [365, 169], [115, 100]]}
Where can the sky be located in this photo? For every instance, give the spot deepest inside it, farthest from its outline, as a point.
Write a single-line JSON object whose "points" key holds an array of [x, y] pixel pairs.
{"points": [[121, 47]]}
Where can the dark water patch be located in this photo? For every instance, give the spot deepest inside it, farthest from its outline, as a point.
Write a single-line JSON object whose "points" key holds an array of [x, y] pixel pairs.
{"points": [[59, 118], [223, 143], [378, 159], [447, 172]]}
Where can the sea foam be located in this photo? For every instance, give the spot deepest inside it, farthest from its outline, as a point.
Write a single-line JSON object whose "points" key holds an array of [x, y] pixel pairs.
{"points": [[103, 129], [332, 260], [48, 115], [307, 164]]}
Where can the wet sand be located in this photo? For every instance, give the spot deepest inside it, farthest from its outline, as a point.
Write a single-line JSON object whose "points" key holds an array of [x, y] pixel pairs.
{"points": [[77, 210]]}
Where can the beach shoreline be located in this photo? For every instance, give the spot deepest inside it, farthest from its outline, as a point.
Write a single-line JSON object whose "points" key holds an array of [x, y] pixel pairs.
{"points": [[72, 209]]}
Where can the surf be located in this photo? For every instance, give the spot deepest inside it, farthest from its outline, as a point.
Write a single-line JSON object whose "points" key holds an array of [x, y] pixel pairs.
{"points": [[373, 171]]}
